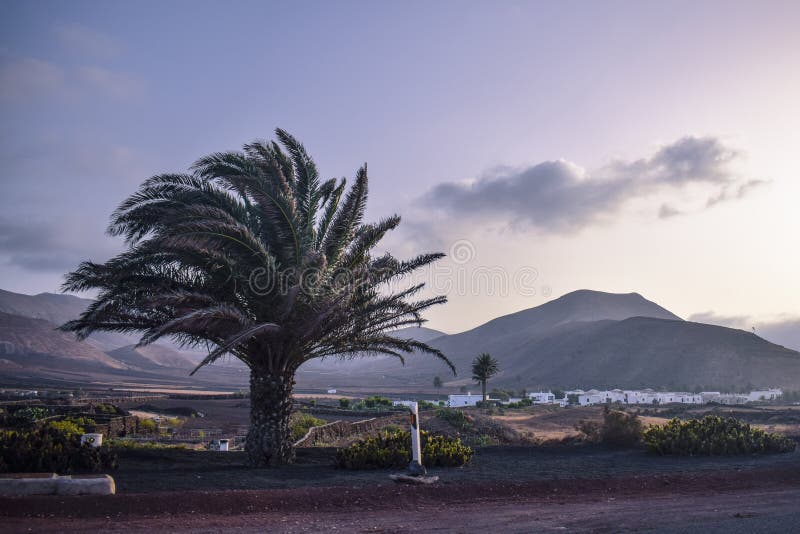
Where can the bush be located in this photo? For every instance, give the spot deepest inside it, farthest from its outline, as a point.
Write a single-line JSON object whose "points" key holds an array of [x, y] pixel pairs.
{"points": [[521, 404], [302, 422], [344, 403], [713, 436], [104, 408], [147, 426], [393, 449], [618, 429], [51, 449], [27, 416], [455, 418], [426, 405], [377, 402], [68, 427], [127, 444]]}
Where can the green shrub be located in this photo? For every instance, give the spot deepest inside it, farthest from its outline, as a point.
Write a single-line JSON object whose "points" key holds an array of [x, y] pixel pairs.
{"points": [[618, 429], [51, 449], [393, 449], [377, 402], [302, 422], [522, 403], [713, 436], [67, 427], [127, 444], [147, 426], [344, 403], [104, 408], [425, 405], [456, 418], [27, 416]]}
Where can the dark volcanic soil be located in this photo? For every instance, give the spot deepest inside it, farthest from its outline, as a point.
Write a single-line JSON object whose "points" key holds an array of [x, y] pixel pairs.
{"points": [[158, 470], [510, 489]]}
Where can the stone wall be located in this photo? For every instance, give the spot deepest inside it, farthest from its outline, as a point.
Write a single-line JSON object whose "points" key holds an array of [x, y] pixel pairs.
{"points": [[342, 429]]}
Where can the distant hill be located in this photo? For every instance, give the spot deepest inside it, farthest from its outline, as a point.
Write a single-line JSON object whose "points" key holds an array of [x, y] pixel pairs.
{"points": [[58, 309], [582, 339], [51, 307], [34, 343], [151, 357], [592, 339], [33, 351], [507, 334], [648, 352], [418, 333]]}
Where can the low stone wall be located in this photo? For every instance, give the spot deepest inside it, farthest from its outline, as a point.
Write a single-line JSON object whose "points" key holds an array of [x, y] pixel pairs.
{"points": [[329, 410], [52, 484], [343, 429]]}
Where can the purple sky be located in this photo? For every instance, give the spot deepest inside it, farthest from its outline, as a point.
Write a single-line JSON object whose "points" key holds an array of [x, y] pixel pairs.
{"points": [[619, 146]]}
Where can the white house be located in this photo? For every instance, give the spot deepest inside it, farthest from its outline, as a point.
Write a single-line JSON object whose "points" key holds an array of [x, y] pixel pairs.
{"points": [[541, 397], [460, 401], [764, 395]]}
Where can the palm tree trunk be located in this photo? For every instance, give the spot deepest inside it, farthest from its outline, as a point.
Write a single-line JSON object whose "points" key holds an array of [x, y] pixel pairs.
{"points": [[269, 440], [483, 389]]}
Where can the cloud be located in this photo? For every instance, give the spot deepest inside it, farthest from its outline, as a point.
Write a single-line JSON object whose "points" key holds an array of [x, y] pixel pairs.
{"points": [[85, 41], [560, 196], [25, 77], [782, 330], [118, 85], [734, 192], [666, 211], [46, 246]]}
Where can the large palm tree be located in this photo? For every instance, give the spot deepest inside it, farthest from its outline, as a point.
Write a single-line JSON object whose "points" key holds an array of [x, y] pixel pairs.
{"points": [[252, 255], [484, 367]]}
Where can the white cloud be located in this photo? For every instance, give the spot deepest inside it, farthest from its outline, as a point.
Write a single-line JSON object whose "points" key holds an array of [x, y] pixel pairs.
{"points": [[118, 85], [561, 197], [86, 41], [22, 78]]}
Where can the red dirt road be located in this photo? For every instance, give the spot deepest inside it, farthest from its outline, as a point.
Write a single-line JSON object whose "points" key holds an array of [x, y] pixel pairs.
{"points": [[763, 500]]}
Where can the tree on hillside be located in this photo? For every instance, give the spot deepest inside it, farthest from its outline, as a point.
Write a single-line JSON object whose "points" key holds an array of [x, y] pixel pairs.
{"points": [[437, 383], [252, 255], [483, 368]]}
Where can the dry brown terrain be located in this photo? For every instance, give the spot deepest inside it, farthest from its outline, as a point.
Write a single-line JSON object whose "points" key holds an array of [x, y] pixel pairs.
{"points": [[762, 499]]}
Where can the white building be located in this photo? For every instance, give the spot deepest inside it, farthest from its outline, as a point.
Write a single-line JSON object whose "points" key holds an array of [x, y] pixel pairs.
{"points": [[764, 395], [460, 401], [541, 397]]}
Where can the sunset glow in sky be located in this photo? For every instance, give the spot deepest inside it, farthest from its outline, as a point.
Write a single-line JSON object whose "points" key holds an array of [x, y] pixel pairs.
{"points": [[618, 146]]}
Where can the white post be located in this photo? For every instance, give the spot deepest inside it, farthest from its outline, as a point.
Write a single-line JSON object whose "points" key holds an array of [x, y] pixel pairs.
{"points": [[415, 467]]}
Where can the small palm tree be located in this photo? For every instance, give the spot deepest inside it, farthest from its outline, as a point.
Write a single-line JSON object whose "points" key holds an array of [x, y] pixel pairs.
{"points": [[437, 383], [252, 255], [483, 368]]}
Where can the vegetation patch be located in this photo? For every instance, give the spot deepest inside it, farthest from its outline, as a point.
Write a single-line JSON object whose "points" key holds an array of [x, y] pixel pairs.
{"points": [[456, 418], [618, 429], [713, 436], [54, 449], [392, 449], [301, 423], [127, 444]]}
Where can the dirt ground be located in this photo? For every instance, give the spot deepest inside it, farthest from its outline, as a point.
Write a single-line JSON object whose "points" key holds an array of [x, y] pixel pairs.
{"points": [[505, 489], [761, 499]]}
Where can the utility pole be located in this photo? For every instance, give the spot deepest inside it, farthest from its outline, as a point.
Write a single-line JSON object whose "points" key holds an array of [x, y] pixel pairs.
{"points": [[415, 468]]}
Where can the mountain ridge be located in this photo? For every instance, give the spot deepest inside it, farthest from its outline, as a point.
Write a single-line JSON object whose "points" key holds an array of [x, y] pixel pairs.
{"points": [[585, 338]]}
